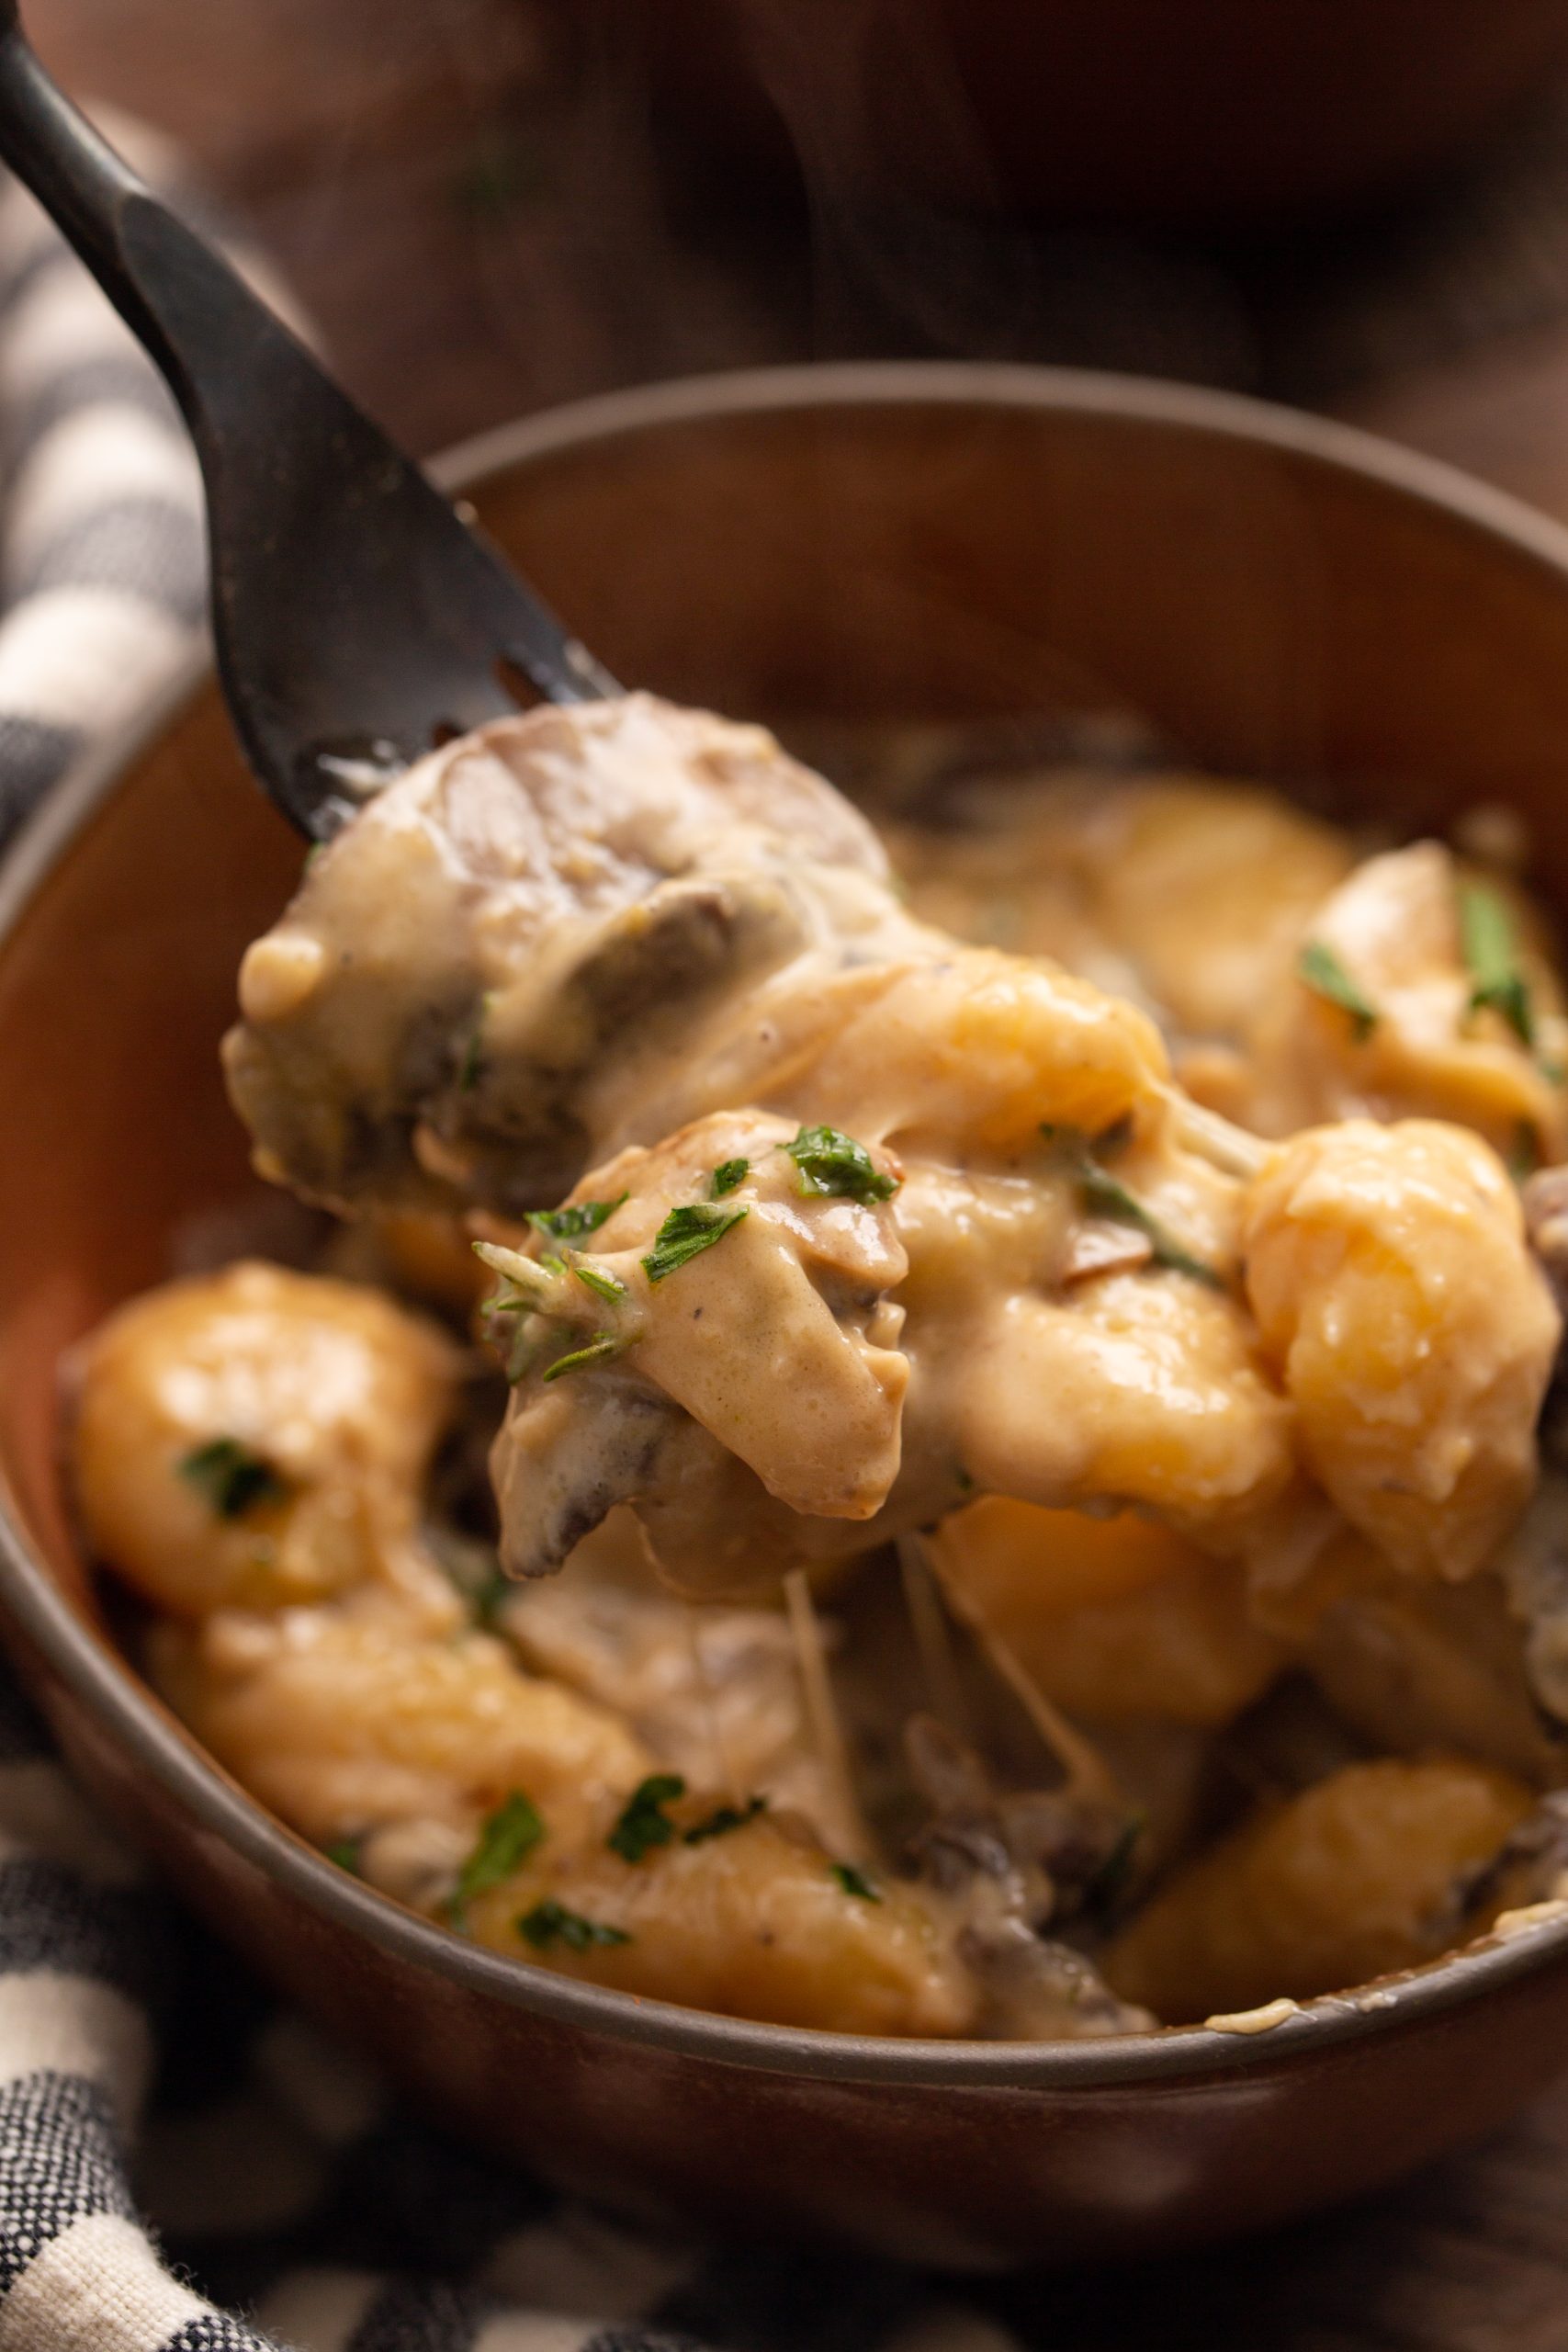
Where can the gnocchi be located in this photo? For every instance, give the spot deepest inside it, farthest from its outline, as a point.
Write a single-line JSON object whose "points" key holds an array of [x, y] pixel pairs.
{"points": [[1014, 1501]]}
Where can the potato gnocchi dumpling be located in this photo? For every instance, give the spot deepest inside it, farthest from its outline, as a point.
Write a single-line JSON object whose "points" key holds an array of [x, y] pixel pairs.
{"points": [[1190, 895], [1365, 1873], [955, 1462], [1411, 1330], [1113, 1619], [257, 1437], [1423, 991], [757, 1921], [345, 1720]]}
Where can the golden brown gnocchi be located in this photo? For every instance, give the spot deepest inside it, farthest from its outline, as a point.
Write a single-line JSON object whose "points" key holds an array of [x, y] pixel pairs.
{"points": [[993, 1407], [1412, 1332], [1113, 1619], [1364, 1873], [757, 1921], [257, 1437]]}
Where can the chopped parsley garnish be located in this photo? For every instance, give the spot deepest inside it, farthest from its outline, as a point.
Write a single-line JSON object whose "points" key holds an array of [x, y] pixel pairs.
{"points": [[345, 1854], [685, 1234], [603, 1283], [526, 1277], [854, 1882], [1490, 946], [575, 1222], [231, 1478], [726, 1176], [722, 1819], [550, 1922], [532, 1297], [506, 1839], [831, 1161], [1105, 1195], [1320, 969], [644, 1823], [600, 1349]]}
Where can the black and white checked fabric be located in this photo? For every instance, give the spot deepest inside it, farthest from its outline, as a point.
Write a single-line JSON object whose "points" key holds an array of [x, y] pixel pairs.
{"points": [[100, 543], [172, 2143], [152, 2172]]}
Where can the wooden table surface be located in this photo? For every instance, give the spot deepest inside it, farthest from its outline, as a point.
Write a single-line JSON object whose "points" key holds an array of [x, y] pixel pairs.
{"points": [[478, 229]]}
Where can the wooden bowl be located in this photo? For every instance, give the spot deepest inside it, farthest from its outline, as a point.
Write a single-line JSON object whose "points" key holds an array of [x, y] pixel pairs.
{"points": [[1196, 114], [1281, 597]]}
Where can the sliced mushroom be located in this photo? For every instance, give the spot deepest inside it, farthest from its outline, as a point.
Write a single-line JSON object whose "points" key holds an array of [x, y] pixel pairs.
{"points": [[1009, 1867], [536, 907]]}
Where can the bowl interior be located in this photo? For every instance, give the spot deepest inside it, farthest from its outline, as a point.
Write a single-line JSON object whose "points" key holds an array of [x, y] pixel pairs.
{"points": [[854, 547]]}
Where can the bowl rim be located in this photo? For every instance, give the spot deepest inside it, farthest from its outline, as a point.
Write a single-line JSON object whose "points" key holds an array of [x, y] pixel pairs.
{"points": [[106, 1685]]}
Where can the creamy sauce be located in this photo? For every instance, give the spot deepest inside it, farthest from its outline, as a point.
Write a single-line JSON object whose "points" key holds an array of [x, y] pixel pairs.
{"points": [[1183, 1292]]}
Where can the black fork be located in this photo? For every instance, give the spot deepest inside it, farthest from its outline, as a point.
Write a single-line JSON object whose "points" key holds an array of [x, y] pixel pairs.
{"points": [[357, 618]]}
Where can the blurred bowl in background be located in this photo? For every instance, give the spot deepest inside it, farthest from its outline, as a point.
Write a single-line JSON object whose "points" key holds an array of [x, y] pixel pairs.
{"points": [[1190, 114]]}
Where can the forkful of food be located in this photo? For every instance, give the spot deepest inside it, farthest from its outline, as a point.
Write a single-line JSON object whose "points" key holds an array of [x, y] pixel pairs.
{"points": [[812, 1224]]}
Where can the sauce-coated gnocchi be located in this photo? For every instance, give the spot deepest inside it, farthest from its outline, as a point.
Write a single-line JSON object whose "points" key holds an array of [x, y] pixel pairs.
{"points": [[953, 1458]]}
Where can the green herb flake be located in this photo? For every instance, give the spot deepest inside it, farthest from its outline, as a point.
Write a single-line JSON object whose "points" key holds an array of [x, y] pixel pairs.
{"points": [[576, 1221], [506, 1839], [1491, 950], [231, 1478], [722, 1819], [830, 1161], [550, 1922], [1320, 969], [854, 1882], [644, 1823], [685, 1234], [345, 1854], [727, 1177], [1104, 1195], [529, 1285], [603, 1283], [600, 1349]]}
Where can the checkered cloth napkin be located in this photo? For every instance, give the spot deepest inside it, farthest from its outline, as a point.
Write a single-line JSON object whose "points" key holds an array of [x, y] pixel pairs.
{"points": [[170, 2141]]}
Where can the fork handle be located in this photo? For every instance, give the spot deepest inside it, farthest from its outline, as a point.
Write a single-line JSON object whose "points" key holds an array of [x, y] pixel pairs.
{"points": [[93, 199], [229, 362]]}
